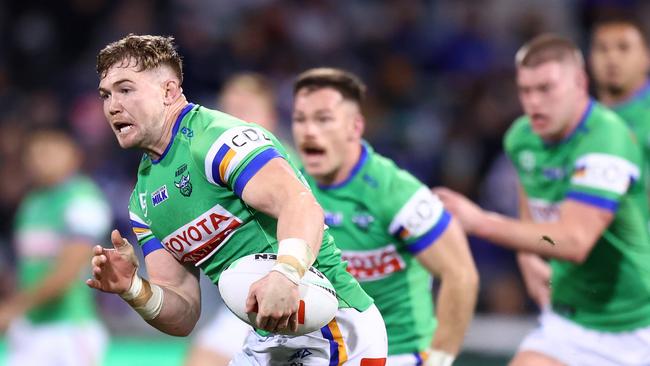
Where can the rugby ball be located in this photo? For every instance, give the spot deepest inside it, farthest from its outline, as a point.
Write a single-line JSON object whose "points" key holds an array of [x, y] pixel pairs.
{"points": [[318, 302]]}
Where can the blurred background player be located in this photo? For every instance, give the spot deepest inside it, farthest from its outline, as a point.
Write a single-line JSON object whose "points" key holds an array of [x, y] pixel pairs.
{"points": [[620, 61], [391, 229], [53, 315], [583, 205], [249, 97]]}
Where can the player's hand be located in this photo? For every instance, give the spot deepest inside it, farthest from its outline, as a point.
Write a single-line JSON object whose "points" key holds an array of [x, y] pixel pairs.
{"points": [[537, 277], [113, 269], [470, 215], [275, 299]]}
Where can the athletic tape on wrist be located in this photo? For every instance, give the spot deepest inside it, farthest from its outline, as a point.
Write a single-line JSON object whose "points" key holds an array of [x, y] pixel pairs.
{"points": [[438, 358], [288, 270], [136, 297], [296, 253]]}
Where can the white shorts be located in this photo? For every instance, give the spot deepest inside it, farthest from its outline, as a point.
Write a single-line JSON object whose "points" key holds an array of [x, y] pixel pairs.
{"points": [[406, 359], [576, 345], [224, 334], [60, 344], [352, 338]]}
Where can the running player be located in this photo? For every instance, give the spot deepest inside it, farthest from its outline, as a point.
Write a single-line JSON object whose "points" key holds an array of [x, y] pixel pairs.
{"points": [[620, 60], [53, 316], [583, 205], [249, 97], [212, 189], [393, 232]]}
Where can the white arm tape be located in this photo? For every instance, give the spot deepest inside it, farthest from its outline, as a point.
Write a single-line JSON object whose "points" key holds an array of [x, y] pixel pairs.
{"points": [[297, 248], [152, 307], [134, 290], [287, 270], [438, 358]]}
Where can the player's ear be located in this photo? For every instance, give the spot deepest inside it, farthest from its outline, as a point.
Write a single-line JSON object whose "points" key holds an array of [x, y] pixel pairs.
{"points": [[172, 90]]}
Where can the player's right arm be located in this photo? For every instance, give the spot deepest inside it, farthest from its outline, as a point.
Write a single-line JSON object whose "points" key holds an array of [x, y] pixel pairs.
{"points": [[534, 269], [169, 300]]}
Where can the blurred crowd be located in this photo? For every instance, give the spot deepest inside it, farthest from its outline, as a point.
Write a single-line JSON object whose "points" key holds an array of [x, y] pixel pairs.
{"points": [[440, 75]]}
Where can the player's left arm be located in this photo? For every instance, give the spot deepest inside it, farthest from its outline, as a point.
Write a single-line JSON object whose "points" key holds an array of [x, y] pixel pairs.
{"points": [[449, 259]]}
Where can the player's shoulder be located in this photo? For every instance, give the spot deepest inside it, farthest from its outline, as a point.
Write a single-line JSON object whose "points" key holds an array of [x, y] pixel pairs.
{"points": [[605, 119], [83, 186], [386, 177], [519, 134], [606, 126]]}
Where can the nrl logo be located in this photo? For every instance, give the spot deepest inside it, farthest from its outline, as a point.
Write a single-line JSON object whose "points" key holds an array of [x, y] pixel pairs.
{"points": [[183, 183]]}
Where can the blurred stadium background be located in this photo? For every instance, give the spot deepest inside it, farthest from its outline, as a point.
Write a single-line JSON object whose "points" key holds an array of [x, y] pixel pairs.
{"points": [[441, 95]]}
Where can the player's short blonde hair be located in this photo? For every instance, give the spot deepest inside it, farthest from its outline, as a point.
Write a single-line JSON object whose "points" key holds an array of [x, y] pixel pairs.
{"points": [[548, 47], [148, 52], [250, 82]]}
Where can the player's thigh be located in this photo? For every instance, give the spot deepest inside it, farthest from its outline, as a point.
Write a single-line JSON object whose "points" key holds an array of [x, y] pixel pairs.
{"points": [[532, 358], [201, 356]]}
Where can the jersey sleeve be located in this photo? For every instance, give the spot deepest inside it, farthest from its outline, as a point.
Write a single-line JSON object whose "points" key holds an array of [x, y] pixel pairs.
{"points": [[87, 217], [417, 216], [146, 239], [604, 169], [233, 157]]}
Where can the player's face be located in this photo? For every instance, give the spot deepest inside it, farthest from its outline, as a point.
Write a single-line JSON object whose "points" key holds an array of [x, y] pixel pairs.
{"points": [[619, 58], [133, 104], [324, 130], [549, 93], [248, 106]]}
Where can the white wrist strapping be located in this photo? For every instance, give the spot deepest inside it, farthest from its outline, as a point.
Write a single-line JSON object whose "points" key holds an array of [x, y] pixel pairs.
{"points": [[438, 358], [152, 307], [294, 258]]}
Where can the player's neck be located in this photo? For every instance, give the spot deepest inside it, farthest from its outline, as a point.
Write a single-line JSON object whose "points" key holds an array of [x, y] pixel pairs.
{"points": [[169, 119], [343, 173], [579, 114], [611, 98]]}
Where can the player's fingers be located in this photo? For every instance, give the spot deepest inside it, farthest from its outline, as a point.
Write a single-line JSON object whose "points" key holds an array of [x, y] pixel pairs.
{"points": [[262, 321], [283, 323], [117, 239], [97, 250], [92, 283], [98, 260], [251, 302], [97, 273], [293, 322]]}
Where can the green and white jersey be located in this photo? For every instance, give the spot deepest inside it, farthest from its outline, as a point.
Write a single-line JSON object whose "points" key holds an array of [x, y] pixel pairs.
{"points": [[189, 201], [47, 220], [600, 165], [636, 113], [381, 217]]}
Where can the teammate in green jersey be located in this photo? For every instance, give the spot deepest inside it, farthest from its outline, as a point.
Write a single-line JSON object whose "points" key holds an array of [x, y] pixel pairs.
{"points": [[583, 206], [211, 189], [249, 97], [53, 316], [393, 232], [620, 61]]}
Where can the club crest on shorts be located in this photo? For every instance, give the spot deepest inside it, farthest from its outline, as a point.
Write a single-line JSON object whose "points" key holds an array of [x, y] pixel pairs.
{"points": [[182, 180]]}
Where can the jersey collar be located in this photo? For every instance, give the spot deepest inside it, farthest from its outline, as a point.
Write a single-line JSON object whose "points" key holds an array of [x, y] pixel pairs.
{"points": [[177, 125], [363, 157], [580, 126], [645, 89]]}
